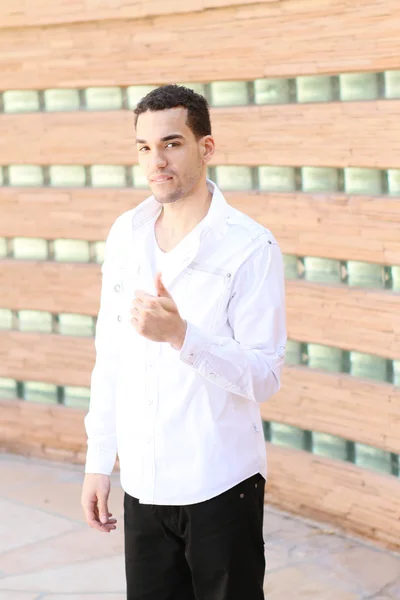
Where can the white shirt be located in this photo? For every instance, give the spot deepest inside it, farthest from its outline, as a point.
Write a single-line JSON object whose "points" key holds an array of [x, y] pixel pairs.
{"points": [[186, 423]]}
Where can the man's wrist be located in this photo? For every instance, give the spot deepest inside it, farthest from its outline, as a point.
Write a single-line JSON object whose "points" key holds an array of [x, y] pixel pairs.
{"points": [[178, 340]]}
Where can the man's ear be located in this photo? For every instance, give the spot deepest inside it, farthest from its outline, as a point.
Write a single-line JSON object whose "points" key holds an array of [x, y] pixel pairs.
{"points": [[208, 148]]}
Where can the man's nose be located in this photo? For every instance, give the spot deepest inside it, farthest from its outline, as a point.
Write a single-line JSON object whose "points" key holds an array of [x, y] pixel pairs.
{"points": [[159, 160]]}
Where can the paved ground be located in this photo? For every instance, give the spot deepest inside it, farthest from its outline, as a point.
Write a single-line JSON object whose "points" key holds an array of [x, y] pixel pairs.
{"points": [[48, 553]]}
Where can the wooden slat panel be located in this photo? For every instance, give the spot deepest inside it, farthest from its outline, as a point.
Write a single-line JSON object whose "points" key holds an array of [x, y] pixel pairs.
{"points": [[337, 404], [330, 36], [335, 226], [42, 430], [44, 12], [75, 213], [304, 224], [288, 135], [51, 286], [32, 428], [344, 317], [59, 359], [340, 316], [356, 500]]}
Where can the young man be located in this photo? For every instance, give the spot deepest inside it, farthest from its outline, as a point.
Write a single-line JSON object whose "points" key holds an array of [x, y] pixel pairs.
{"points": [[190, 339]]}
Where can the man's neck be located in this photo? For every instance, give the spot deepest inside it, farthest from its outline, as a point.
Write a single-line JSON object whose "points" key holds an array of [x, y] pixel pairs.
{"points": [[177, 219]]}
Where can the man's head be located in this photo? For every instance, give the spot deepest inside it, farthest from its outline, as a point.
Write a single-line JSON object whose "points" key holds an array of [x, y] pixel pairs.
{"points": [[173, 137]]}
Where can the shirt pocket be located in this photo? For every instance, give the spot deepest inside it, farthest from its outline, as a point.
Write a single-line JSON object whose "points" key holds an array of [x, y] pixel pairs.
{"points": [[206, 294]]}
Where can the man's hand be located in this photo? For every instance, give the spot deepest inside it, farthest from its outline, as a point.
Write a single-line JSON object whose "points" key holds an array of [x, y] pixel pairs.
{"points": [[157, 317], [95, 492]]}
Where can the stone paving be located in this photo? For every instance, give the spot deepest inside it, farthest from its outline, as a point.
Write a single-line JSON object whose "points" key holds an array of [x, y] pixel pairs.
{"points": [[48, 553]]}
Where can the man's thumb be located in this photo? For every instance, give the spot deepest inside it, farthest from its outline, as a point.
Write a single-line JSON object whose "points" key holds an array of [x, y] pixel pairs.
{"points": [[103, 510], [160, 287]]}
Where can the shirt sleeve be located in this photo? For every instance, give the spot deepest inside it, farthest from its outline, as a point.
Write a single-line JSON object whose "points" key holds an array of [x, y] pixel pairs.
{"points": [[100, 422], [249, 363]]}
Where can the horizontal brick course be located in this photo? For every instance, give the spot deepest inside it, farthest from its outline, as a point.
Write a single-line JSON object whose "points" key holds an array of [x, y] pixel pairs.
{"points": [[277, 39], [304, 224], [325, 135]]}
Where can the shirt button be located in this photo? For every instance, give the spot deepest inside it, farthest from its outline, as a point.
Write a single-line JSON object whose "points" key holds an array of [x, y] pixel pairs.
{"points": [[117, 287], [119, 318]]}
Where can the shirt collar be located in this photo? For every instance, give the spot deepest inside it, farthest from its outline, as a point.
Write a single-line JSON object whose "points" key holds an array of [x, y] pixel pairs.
{"points": [[215, 217]]}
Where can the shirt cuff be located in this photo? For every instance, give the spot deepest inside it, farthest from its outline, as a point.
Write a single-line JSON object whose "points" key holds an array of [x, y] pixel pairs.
{"points": [[100, 461], [194, 346]]}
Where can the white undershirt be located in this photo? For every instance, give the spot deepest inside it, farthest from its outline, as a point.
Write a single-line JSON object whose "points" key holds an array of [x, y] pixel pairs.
{"points": [[162, 261]]}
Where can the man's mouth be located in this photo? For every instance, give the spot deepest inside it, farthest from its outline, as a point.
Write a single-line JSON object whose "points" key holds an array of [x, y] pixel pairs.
{"points": [[161, 179]]}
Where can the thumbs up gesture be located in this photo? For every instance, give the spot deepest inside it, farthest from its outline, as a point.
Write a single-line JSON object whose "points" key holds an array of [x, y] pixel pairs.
{"points": [[161, 290], [157, 318]]}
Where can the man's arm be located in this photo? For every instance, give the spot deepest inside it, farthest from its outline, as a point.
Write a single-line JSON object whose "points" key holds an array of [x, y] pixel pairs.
{"points": [[250, 363], [100, 420]]}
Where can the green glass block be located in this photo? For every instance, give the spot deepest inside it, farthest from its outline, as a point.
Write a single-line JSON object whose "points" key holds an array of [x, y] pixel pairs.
{"points": [[108, 176], [291, 266], [100, 248], [277, 179], [286, 435], [324, 358], [293, 353], [368, 366], [234, 178], [396, 278], [394, 182], [36, 391], [103, 98], [18, 101], [323, 270], [8, 388], [367, 275], [1, 176], [61, 99], [25, 175], [272, 91], [359, 86], [396, 372], [314, 89], [229, 93], [373, 458], [136, 93], [80, 325], [3, 248], [71, 251], [30, 248], [199, 88], [139, 178], [76, 397], [363, 181], [392, 84], [319, 179], [328, 445], [35, 320], [67, 175], [6, 318]]}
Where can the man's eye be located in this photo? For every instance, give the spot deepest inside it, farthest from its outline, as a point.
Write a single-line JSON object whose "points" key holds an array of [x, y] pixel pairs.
{"points": [[143, 148], [173, 144]]}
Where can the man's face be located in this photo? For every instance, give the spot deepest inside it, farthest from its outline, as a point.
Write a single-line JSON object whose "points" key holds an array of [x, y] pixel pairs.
{"points": [[169, 154]]}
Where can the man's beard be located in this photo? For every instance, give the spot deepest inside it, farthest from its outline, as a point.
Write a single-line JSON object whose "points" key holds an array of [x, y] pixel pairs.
{"points": [[170, 197]]}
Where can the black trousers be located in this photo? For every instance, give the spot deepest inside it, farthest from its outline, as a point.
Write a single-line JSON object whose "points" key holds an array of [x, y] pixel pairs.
{"points": [[212, 550]]}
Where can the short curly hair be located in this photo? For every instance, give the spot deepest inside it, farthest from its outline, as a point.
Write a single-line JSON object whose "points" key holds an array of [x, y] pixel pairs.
{"points": [[172, 96]]}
